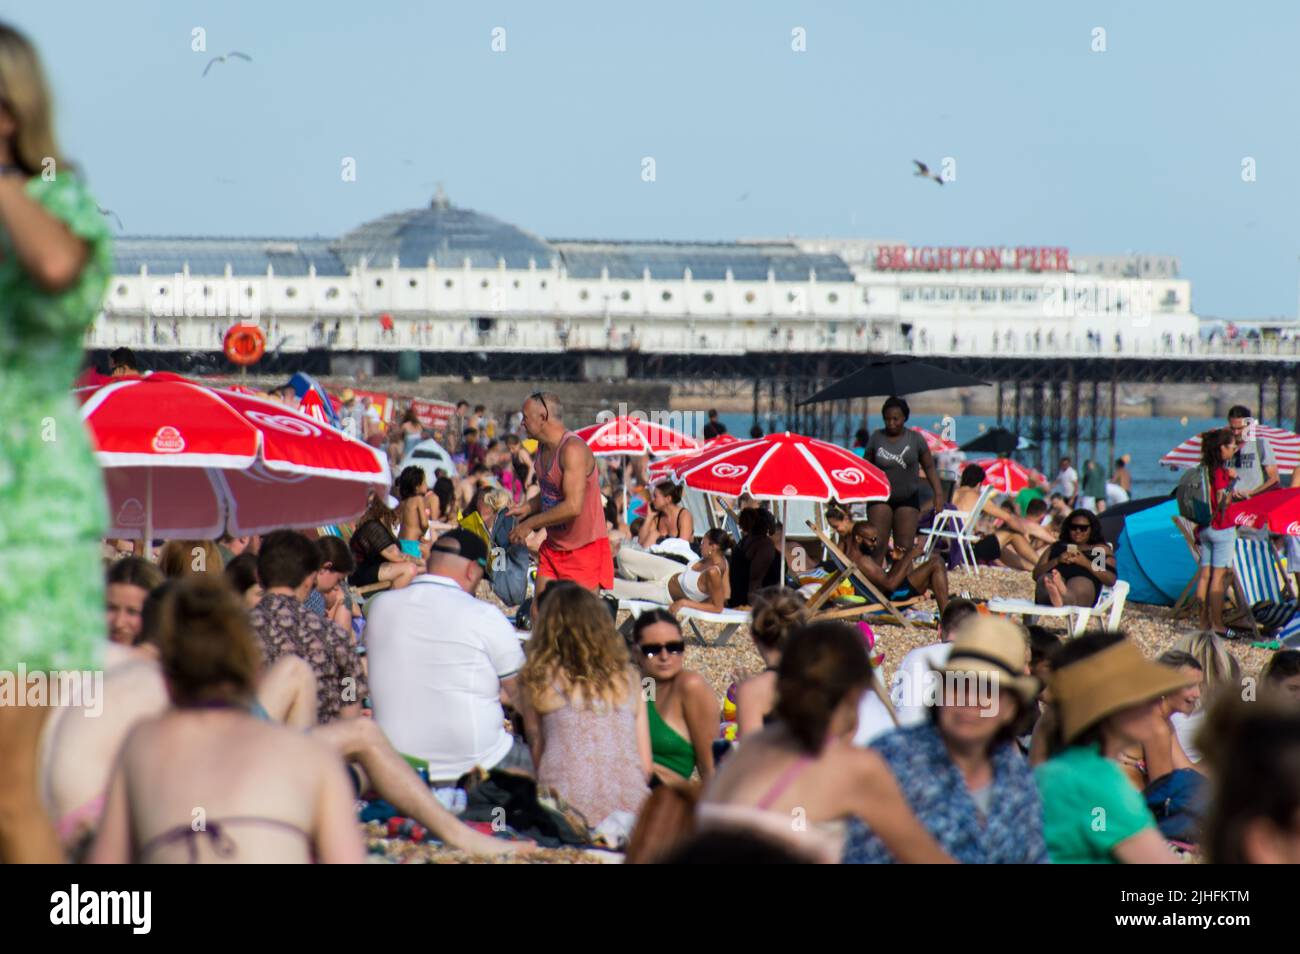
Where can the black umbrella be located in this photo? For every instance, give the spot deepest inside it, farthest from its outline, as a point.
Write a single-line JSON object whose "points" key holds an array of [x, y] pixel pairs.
{"points": [[893, 374], [1112, 518], [996, 440]]}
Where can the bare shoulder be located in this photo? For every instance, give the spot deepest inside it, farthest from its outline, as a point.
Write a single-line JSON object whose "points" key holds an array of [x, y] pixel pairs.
{"points": [[695, 685], [575, 453]]}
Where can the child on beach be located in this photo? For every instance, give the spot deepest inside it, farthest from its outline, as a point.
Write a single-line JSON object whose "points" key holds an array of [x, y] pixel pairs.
{"points": [[411, 489]]}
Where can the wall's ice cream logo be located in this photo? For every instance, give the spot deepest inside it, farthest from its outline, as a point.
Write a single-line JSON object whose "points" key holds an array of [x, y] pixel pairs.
{"points": [[299, 427], [131, 513], [848, 476], [789, 490], [726, 471], [1293, 528], [168, 440]]}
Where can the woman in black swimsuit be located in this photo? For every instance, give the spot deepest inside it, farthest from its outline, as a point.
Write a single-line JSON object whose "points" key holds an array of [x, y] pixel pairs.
{"points": [[901, 453], [670, 518], [208, 781], [1072, 571]]}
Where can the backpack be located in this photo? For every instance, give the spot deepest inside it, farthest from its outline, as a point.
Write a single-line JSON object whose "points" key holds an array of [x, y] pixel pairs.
{"points": [[1195, 496]]}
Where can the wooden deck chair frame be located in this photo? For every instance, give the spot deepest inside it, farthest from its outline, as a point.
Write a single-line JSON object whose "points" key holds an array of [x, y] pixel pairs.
{"points": [[1187, 600], [847, 569]]}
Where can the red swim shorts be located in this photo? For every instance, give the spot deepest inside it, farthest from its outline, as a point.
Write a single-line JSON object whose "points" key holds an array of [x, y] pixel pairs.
{"points": [[590, 566]]}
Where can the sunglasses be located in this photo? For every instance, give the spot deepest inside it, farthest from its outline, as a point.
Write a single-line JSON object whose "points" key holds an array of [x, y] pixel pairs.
{"points": [[652, 650], [539, 397], [1082, 527]]}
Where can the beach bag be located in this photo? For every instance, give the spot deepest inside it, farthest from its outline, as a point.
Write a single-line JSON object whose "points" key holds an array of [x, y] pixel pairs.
{"points": [[528, 809], [1178, 800], [1194, 495]]}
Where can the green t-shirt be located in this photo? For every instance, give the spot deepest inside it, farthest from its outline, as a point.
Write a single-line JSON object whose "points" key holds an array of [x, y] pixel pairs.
{"points": [[1089, 807]]}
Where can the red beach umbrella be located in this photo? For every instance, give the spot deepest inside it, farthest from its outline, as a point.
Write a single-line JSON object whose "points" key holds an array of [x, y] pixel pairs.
{"points": [[785, 467], [184, 460], [1008, 476], [634, 437]]}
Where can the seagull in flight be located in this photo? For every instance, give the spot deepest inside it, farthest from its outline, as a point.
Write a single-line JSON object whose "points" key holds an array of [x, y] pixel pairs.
{"points": [[222, 59], [103, 211], [924, 171]]}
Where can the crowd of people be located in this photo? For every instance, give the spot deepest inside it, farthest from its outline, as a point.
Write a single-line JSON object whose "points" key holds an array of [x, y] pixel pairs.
{"points": [[261, 696], [268, 684]]}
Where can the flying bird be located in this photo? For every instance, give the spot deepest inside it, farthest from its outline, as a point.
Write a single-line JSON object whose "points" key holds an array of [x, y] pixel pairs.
{"points": [[222, 59], [743, 197], [924, 171], [103, 211]]}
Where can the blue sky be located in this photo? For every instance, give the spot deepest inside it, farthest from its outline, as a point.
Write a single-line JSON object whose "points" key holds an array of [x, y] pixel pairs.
{"points": [[1138, 148]]}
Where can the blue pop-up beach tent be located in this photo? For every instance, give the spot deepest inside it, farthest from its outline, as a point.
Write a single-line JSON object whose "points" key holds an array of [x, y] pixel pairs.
{"points": [[1152, 556]]}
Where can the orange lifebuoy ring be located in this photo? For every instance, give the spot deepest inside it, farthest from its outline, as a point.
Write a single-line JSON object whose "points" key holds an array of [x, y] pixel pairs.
{"points": [[244, 344]]}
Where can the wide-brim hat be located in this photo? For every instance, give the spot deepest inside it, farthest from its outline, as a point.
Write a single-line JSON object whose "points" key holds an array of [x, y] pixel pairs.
{"points": [[995, 647], [1106, 682]]}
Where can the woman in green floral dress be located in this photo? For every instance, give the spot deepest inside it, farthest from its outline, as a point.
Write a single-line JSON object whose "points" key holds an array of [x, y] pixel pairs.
{"points": [[55, 262]]}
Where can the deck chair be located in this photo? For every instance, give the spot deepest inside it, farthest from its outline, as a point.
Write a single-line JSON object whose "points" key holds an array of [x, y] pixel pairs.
{"points": [[731, 620], [876, 605], [959, 527], [1108, 609], [1264, 597], [1187, 600]]}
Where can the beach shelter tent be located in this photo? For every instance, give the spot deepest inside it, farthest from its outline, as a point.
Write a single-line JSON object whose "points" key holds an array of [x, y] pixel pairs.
{"points": [[1152, 556]]}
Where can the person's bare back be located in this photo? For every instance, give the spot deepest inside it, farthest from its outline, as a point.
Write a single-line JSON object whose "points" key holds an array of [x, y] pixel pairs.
{"points": [[218, 786]]}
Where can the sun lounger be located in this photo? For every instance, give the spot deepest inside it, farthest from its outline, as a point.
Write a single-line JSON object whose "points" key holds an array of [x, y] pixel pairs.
{"points": [[730, 619], [1108, 609]]}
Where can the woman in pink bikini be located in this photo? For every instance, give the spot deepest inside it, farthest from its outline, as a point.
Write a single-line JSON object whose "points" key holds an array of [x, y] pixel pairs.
{"points": [[798, 781]]}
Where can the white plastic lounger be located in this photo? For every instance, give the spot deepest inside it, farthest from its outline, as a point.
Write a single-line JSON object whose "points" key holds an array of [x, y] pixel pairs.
{"points": [[730, 619], [1109, 609]]}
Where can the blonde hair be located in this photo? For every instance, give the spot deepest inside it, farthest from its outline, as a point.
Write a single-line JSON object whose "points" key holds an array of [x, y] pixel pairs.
{"points": [[26, 94], [177, 558], [496, 498], [1220, 667], [574, 648]]}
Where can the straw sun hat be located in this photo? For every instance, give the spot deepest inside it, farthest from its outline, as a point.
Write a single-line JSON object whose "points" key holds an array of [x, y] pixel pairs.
{"points": [[987, 645], [1108, 681]]}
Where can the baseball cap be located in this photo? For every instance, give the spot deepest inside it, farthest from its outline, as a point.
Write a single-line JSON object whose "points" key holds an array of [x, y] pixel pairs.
{"points": [[467, 544]]}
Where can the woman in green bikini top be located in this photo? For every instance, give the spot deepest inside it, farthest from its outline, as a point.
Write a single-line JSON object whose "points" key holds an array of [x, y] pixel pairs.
{"points": [[682, 708]]}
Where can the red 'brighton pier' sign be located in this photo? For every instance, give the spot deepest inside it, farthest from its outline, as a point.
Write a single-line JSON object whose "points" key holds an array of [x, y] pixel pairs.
{"points": [[903, 258]]}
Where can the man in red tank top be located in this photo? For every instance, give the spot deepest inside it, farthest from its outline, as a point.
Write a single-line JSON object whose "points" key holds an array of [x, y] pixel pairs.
{"points": [[569, 507]]}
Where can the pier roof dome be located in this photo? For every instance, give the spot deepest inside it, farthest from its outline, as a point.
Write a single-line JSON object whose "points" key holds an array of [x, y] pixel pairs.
{"points": [[445, 233]]}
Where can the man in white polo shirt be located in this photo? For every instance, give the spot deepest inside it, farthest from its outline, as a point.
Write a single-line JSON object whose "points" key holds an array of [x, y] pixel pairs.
{"points": [[441, 662]]}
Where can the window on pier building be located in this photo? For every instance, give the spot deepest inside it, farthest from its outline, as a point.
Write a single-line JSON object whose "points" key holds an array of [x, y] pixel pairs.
{"points": [[988, 294], [927, 294], [907, 294]]}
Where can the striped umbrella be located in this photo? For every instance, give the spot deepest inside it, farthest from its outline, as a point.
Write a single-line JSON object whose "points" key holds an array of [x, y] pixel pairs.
{"points": [[1007, 476], [1285, 446]]}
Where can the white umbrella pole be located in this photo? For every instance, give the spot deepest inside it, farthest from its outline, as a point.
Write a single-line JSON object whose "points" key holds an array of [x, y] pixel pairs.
{"points": [[148, 514]]}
